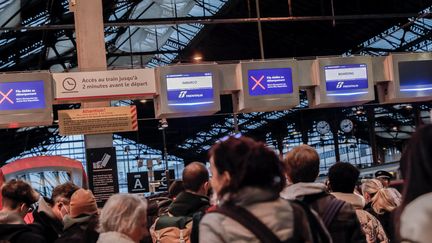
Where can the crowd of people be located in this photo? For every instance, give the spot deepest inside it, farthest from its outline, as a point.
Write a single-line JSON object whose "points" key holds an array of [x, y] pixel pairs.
{"points": [[252, 196]]}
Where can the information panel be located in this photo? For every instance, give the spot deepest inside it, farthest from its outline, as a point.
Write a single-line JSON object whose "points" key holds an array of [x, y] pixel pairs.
{"points": [[25, 95], [415, 76], [346, 77], [190, 89], [270, 81]]}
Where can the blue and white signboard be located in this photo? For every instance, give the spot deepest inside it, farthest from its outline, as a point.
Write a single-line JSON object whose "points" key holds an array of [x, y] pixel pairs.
{"points": [[22, 95], [348, 79], [270, 81], [188, 89], [415, 76]]}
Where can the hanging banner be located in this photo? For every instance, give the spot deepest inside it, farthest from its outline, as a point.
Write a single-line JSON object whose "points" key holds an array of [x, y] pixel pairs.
{"points": [[98, 120], [109, 85], [102, 173]]}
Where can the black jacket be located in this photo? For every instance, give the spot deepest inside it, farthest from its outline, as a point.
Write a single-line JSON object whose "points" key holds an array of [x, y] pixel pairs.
{"points": [[50, 228], [80, 229], [192, 205], [19, 233]]}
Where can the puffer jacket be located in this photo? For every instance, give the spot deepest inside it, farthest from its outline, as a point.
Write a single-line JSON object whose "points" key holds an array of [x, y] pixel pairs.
{"points": [[345, 227], [416, 220], [371, 227], [276, 213]]}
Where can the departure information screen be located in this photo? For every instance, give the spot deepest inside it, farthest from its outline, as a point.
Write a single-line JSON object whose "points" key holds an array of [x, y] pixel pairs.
{"points": [[415, 75], [342, 78], [22, 95], [190, 89], [270, 81]]}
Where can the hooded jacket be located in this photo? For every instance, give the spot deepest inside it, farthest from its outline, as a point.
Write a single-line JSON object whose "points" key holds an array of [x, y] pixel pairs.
{"points": [[276, 213], [345, 226], [186, 204], [13, 229], [371, 227], [49, 226], [79, 229]]}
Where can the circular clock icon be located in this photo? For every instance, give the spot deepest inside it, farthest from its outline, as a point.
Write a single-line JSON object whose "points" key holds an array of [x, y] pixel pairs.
{"points": [[323, 127], [69, 84], [346, 125]]}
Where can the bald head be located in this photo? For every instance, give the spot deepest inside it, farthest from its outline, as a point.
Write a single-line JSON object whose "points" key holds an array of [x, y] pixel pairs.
{"points": [[195, 175]]}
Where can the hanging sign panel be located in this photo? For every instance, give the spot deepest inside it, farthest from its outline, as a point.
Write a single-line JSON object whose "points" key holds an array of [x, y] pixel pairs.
{"points": [[190, 88], [108, 85], [22, 95], [415, 76], [98, 120]]}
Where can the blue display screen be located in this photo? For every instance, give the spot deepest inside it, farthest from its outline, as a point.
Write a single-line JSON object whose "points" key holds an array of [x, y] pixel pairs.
{"points": [[344, 79], [22, 95], [270, 81], [190, 89], [415, 76]]}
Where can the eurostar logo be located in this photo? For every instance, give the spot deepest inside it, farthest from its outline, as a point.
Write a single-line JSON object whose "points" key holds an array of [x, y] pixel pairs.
{"points": [[339, 85], [182, 94]]}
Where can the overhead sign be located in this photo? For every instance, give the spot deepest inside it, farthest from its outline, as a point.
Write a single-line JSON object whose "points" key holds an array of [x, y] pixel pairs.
{"points": [[110, 85], [190, 89], [102, 173], [160, 175], [22, 95], [346, 77], [98, 120], [138, 182], [270, 81]]}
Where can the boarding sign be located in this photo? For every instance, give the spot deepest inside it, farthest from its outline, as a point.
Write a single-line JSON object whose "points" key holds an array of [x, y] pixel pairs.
{"points": [[22, 95], [190, 88], [109, 85], [98, 120], [346, 77], [270, 81]]}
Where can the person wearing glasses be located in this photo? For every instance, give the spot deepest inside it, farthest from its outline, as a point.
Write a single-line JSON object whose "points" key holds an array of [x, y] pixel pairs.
{"points": [[18, 198]]}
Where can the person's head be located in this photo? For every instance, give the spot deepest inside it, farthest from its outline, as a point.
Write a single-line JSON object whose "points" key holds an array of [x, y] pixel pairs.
{"points": [[196, 178], [241, 162], [302, 164], [384, 177], [82, 202], [126, 214], [343, 177], [18, 196], [369, 188], [416, 165], [175, 188], [60, 199], [385, 200]]}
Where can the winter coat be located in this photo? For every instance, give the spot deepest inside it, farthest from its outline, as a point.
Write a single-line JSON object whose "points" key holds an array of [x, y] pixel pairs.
{"points": [[276, 213], [416, 220], [80, 229], [345, 227], [13, 229], [114, 237], [49, 226], [371, 227], [387, 221]]}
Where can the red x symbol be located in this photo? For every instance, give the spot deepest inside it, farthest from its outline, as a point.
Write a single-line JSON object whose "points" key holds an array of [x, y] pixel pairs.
{"points": [[258, 82], [5, 96]]}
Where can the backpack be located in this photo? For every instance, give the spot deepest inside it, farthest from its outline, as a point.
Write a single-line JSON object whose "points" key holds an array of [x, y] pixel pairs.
{"points": [[168, 229]]}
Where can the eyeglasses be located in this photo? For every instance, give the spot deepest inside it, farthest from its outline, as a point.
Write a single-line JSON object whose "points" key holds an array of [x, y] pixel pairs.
{"points": [[32, 207]]}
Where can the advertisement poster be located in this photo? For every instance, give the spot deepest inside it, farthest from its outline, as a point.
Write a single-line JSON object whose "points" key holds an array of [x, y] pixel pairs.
{"points": [[190, 89], [271, 81], [159, 175], [22, 95], [346, 77], [102, 173], [98, 120]]}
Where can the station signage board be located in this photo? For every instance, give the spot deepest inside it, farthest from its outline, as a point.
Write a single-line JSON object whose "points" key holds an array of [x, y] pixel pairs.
{"points": [[138, 182], [190, 88], [104, 85], [270, 81], [98, 120], [160, 176], [22, 95], [415, 76], [340, 78]]}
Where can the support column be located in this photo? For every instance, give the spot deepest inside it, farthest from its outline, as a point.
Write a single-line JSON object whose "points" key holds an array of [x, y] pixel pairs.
{"points": [[372, 139], [90, 40]]}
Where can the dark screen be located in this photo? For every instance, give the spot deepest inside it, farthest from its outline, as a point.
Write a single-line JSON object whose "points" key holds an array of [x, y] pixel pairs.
{"points": [[415, 73]]}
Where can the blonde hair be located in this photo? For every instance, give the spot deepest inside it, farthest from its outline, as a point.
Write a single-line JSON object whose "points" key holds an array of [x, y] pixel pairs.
{"points": [[371, 186], [385, 200], [121, 213]]}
